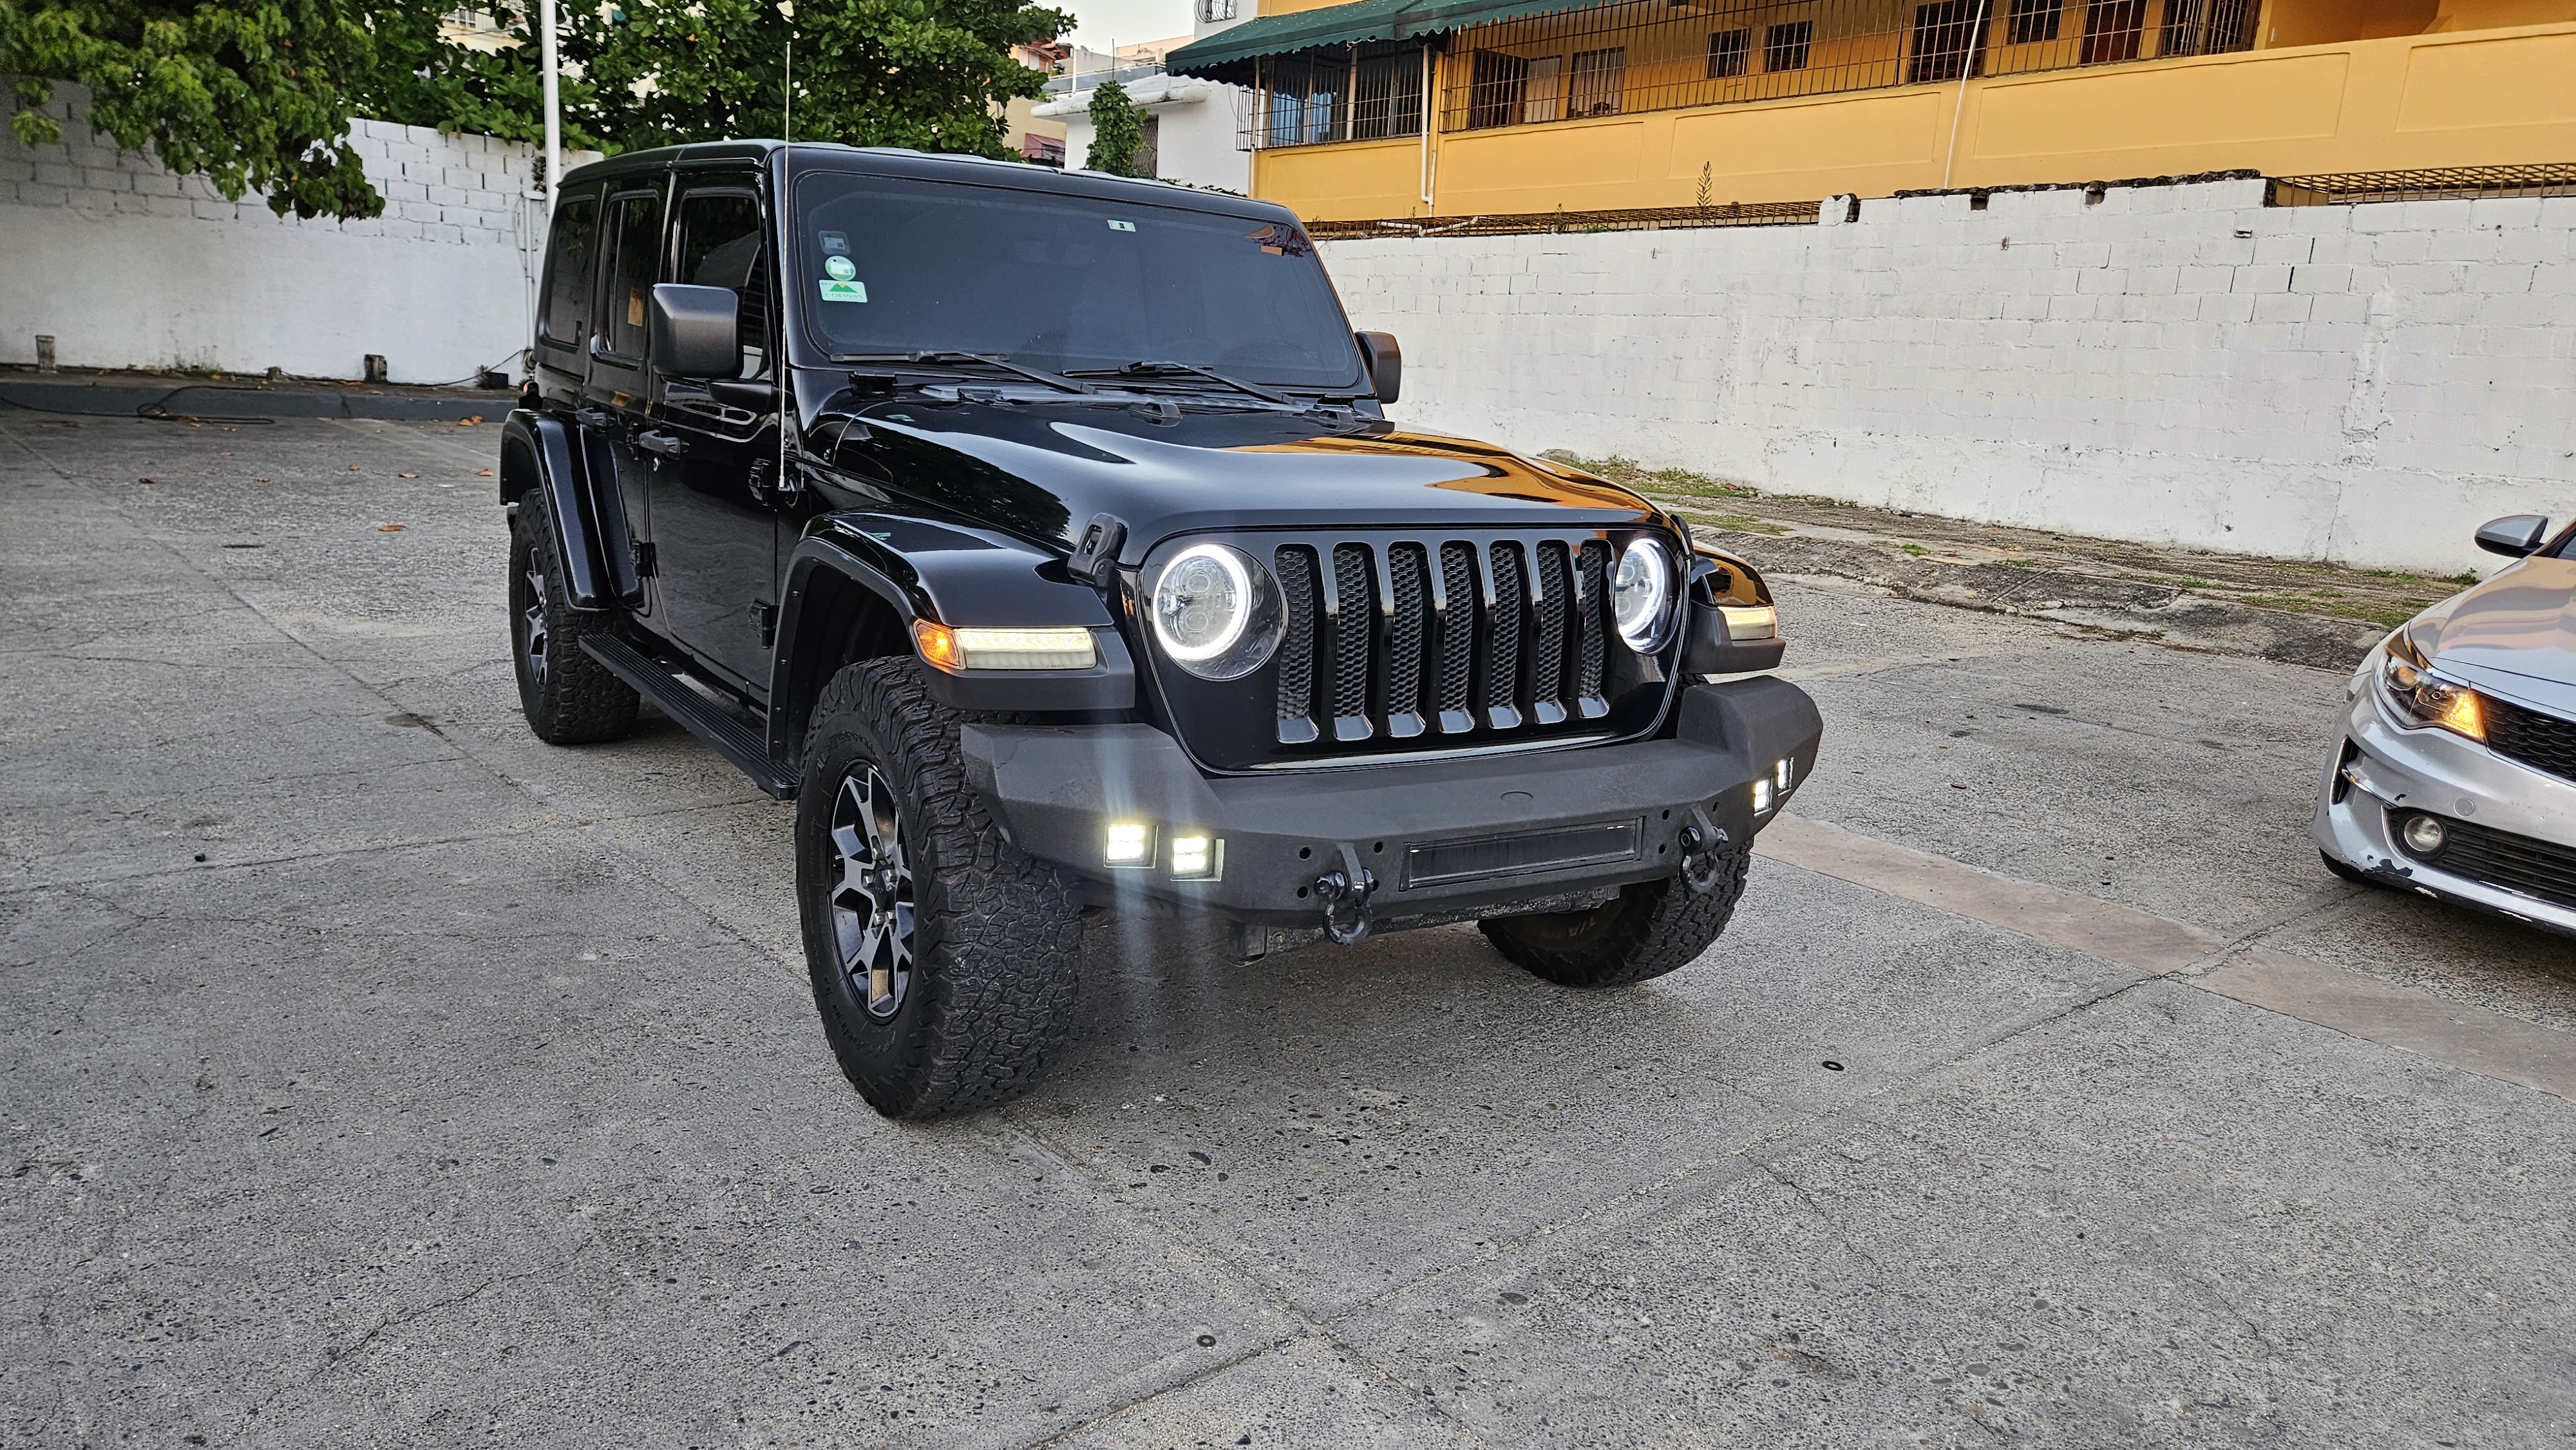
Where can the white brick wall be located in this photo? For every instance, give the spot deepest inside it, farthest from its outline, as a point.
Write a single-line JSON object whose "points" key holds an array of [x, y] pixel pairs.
{"points": [[126, 264], [2174, 364]]}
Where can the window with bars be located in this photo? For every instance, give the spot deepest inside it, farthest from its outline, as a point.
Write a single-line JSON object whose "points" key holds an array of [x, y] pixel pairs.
{"points": [[1727, 50], [1649, 55], [1212, 11], [1600, 81]]}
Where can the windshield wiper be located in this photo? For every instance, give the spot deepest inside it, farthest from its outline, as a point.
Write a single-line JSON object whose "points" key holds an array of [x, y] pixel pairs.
{"points": [[988, 359], [1148, 368]]}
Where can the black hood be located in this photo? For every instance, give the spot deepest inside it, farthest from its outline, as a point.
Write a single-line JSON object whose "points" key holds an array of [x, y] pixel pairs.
{"points": [[1042, 469]]}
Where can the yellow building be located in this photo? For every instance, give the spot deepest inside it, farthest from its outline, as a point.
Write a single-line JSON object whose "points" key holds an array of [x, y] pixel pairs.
{"points": [[1383, 109]]}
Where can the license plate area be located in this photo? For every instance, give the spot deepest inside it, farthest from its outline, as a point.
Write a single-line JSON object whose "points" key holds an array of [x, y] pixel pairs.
{"points": [[1522, 853]]}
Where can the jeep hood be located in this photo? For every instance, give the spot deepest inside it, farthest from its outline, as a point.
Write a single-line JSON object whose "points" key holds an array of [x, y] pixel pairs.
{"points": [[1044, 470], [2514, 635]]}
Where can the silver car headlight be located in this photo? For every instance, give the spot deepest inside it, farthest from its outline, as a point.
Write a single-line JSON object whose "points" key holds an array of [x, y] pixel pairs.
{"points": [[1217, 612], [1641, 595], [2422, 698]]}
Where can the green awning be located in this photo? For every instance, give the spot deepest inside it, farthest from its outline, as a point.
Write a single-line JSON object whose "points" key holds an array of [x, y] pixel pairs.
{"points": [[1229, 53]]}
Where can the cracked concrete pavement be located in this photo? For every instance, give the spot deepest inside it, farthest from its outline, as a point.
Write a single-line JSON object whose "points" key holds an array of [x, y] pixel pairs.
{"points": [[376, 1075]]}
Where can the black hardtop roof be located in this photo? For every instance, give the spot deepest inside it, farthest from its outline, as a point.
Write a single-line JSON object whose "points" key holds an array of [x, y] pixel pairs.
{"points": [[924, 166]]}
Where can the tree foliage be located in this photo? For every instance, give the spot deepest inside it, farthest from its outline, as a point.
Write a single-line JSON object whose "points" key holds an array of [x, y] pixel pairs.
{"points": [[1117, 131], [255, 94]]}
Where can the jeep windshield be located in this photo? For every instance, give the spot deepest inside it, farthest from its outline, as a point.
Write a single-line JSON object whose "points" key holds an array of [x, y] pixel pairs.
{"points": [[1066, 283]]}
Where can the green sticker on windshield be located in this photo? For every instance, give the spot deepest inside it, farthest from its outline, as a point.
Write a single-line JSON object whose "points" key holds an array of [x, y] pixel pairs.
{"points": [[1122, 226], [837, 289], [841, 268]]}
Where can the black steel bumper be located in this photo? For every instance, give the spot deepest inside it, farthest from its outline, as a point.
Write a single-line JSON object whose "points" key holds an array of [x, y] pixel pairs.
{"points": [[1444, 839]]}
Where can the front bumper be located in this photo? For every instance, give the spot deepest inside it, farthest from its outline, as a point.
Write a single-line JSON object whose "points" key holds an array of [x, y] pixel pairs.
{"points": [[2379, 772], [1446, 839]]}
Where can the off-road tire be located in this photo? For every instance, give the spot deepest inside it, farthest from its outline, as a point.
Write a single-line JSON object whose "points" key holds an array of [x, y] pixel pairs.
{"points": [[996, 953], [574, 700], [1652, 928]]}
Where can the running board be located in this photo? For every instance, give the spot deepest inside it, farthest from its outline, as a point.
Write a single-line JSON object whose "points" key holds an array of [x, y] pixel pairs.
{"points": [[731, 738]]}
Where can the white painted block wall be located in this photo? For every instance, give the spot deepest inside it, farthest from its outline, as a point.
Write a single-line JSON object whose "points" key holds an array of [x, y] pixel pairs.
{"points": [[128, 265], [2174, 364]]}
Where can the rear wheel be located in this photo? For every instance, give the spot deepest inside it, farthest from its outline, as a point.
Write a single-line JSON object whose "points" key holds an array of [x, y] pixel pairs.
{"points": [[568, 697], [944, 962], [1650, 929]]}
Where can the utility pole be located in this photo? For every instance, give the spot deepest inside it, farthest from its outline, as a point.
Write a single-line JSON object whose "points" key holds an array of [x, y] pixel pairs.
{"points": [[554, 106]]}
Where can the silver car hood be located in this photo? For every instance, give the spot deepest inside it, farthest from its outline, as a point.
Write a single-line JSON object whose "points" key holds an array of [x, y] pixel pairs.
{"points": [[2514, 635]]}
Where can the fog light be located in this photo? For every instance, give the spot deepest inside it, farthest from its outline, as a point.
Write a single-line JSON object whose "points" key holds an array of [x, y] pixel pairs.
{"points": [[1786, 773], [2424, 835], [1744, 624], [1130, 843], [1761, 795], [1196, 858]]}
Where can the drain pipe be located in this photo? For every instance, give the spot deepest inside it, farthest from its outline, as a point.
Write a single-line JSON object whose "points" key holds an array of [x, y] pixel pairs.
{"points": [[1959, 106]]}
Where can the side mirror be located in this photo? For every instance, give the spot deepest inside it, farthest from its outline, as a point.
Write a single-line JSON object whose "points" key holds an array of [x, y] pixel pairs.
{"points": [[2515, 535], [696, 331], [1385, 363]]}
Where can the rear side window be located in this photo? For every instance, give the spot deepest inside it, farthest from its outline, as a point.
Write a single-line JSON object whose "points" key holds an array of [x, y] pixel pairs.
{"points": [[569, 271], [723, 243], [634, 257]]}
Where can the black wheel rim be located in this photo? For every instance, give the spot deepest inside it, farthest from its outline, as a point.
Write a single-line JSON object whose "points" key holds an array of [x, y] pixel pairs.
{"points": [[872, 906], [532, 623]]}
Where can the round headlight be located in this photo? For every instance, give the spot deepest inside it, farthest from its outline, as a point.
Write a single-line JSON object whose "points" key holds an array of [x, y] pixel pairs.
{"points": [[1641, 595], [1216, 612]]}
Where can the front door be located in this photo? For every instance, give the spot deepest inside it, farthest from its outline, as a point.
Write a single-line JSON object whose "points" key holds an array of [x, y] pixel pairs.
{"points": [[715, 527], [615, 400]]}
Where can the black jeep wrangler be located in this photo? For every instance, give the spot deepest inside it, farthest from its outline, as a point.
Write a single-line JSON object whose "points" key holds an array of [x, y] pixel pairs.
{"points": [[1043, 538]]}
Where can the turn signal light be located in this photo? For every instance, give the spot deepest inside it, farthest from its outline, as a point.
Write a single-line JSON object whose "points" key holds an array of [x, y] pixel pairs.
{"points": [[979, 648]]}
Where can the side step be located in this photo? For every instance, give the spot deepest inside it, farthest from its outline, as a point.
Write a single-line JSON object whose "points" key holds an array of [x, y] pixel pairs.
{"points": [[731, 738]]}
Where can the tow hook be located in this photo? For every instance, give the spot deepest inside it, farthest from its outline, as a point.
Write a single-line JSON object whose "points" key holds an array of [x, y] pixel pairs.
{"points": [[1700, 840], [1346, 894]]}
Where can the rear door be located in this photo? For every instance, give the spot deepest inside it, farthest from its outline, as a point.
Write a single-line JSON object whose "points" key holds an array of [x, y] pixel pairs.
{"points": [[617, 393], [715, 545]]}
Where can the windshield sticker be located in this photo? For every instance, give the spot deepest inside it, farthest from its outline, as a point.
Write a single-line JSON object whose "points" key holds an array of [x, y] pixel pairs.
{"points": [[1282, 241], [1122, 226], [842, 269], [838, 289], [836, 242]]}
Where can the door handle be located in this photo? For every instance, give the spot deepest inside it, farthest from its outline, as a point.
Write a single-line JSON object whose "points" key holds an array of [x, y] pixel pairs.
{"points": [[662, 443], [591, 417]]}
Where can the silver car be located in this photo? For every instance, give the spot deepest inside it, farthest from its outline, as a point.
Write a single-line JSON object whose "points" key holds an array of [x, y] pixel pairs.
{"points": [[2456, 774]]}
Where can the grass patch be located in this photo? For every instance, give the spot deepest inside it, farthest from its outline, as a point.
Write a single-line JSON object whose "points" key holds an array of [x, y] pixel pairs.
{"points": [[1745, 524], [1629, 473], [2385, 615], [1917, 550]]}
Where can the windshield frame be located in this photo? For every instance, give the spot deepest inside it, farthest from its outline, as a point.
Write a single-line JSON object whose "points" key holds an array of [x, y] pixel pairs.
{"points": [[811, 347]]}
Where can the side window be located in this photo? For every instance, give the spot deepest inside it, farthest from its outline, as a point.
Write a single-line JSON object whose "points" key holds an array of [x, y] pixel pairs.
{"points": [[634, 265], [724, 243], [569, 255]]}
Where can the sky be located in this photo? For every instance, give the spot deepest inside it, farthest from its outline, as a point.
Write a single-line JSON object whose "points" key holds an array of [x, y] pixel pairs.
{"points": [[1098, 22]]}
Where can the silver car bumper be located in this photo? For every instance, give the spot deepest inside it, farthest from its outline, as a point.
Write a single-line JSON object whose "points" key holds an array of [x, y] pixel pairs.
{"points": [[2379, 769]]}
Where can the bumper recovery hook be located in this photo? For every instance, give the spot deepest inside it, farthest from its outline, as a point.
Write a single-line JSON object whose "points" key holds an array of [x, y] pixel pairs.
{"points": [[1345, 893], [1700, 840]]}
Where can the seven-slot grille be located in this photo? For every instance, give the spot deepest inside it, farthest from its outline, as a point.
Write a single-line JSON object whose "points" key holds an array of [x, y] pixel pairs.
{"points": [[2543, 742], [1440, 637]]}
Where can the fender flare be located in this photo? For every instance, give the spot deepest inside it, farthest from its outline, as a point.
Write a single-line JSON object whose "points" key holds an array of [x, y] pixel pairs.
{"points": [[944, 573], [578, 480]]}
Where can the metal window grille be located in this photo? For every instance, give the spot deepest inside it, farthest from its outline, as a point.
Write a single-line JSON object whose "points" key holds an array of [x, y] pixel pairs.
{"points": [[1347, 93], [1668, 54], [1213, 11]]}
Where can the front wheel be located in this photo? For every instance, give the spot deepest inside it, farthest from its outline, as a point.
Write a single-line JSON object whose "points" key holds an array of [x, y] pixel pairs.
{"points": [[1650, 929], [944, 962]]}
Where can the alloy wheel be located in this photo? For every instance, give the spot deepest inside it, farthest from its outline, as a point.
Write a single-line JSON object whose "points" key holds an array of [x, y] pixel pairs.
{"points": [[532, 626], [872, 899]]}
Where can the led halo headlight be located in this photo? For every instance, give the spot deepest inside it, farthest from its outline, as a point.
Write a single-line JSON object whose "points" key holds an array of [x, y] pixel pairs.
{"points": [[1642, 594], [1216, 612]]}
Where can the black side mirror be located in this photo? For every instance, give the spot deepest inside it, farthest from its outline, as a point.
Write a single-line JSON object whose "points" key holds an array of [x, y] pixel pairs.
{"points": [[2514, 535], [696, 331], [1385, 363]]}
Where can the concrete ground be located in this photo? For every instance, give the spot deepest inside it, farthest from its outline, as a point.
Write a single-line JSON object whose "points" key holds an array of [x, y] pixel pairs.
{"points": [[375, 1075]]}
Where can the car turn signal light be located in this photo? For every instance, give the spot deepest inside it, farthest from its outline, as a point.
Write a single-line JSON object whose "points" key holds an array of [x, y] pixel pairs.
{"points": [[977, 648]]}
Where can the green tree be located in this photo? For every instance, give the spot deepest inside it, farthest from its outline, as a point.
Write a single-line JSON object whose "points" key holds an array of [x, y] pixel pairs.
{"points": [[1117, 131], [255, 94], [420, 79], [929, 74]]}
